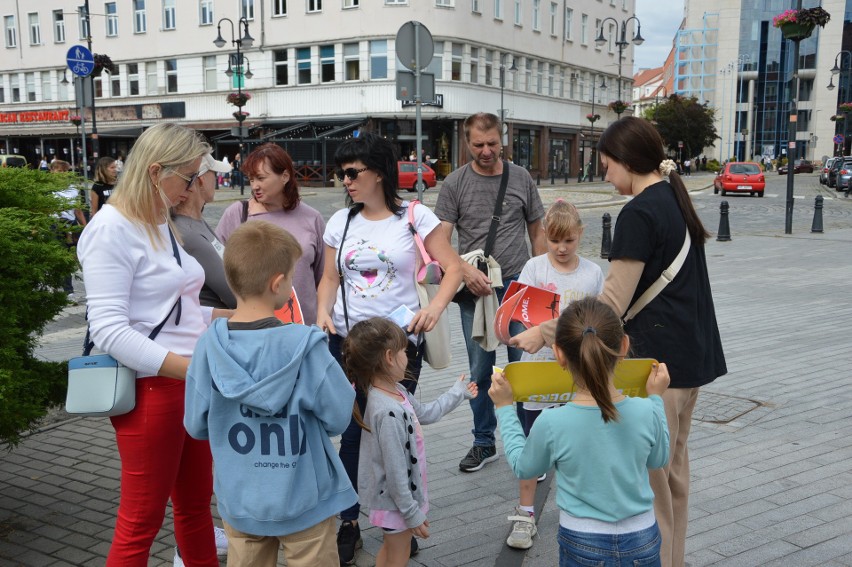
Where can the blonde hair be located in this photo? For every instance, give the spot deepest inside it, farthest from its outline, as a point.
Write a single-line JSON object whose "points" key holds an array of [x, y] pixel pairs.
{"points": [[561, 220], [102, 173], [60, 166], [136, 195], [256, 252]]}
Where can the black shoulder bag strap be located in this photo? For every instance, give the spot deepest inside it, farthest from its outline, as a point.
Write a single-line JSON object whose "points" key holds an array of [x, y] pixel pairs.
{"points": [[88, 345], [244, 215], [498, 210], [352, 212]]}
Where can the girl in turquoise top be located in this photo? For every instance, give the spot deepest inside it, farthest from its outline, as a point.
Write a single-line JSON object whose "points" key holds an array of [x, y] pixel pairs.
{"points": [[603, 493]]}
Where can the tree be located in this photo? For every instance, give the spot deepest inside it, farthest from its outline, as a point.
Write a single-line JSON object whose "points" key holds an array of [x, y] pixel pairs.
{"points": [[684, 119], [35, 263]]}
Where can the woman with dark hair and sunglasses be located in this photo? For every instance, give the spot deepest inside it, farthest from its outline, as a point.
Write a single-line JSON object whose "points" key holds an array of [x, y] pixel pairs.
{"points": [[275, 198], [371, 252]]}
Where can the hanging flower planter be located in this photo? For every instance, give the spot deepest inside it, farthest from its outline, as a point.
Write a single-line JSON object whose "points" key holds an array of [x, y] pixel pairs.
{"points": [[240, 115], [797, 25], [618, 106], [238, 99], [75, 120], [103, 63], [593, 117], [845, 107]]}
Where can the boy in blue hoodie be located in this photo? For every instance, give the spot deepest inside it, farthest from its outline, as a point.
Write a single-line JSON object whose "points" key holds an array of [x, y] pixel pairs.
{"points": [[269, 396]]}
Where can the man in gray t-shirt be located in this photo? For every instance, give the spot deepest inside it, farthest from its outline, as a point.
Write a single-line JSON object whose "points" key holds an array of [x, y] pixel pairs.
{"points": [[466, 203]]}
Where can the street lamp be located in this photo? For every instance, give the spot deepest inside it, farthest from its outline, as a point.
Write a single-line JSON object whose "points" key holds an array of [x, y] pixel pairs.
{"points": [[839, 69], [502, 87], [593, 164], [621, 42], [237, 61]]}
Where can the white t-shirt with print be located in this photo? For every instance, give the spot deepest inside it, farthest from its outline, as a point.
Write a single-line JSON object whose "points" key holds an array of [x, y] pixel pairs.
{"points": [[378, 260], [585, 281]]}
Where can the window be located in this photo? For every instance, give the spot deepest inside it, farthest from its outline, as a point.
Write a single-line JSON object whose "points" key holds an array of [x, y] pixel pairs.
{"points": [[314, 6], [115, 85], [519, 12], [171, 76], [151, 77], [247, 9], [396, 2], [111, 19], [15, 87], [598, 30], [554, 13], [351, 3], [2, 94], [11, 32], [569, 24], [539, 77], [210, 76], [279, 61], [536, 15], [456, 62], [46, 86], [528, 76], [168, 14], [584, 29], [327, 63], [550, 80], [30, 84], [611, 38], [436, 66], [205, 13], [351, 62], [279, 7], [562, 83], [474, 6], [98, 86], [133, 79], [58, 26], [489, 74], [445, 3], [474, 64], [498, 9], [35, 28], [303, 65], [84, 22], [140, 20], [379, 59]]}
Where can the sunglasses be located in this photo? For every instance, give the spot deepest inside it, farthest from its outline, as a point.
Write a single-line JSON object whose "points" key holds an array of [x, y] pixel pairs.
{"points": [[189, 180], [349, 172]]}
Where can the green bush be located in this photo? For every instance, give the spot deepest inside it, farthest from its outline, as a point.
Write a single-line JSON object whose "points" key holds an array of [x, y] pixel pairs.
{"points": [[713, 165], [35, 264]]}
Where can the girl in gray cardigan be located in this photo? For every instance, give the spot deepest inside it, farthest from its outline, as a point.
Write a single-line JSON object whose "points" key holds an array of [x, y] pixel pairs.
{"points": [[392, 464]]}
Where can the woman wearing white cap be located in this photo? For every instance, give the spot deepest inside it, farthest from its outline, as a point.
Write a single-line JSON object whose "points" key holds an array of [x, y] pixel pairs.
{"points": [[199, 240]]}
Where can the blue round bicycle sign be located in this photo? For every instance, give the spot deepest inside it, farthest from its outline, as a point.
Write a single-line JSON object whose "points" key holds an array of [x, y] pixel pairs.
{"points": [[80, 60]]}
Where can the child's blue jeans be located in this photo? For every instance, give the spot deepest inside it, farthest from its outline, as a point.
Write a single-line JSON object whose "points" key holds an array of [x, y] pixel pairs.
{"points": [[581, 549]]}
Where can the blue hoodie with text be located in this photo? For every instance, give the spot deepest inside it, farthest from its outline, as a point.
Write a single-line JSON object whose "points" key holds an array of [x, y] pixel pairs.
{"points": [[268, 400]]}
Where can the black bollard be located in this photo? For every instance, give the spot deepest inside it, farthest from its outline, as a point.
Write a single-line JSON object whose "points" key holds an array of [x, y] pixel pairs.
{"points": [[538, 179], [724, 234], [606, 237], [817, 224], [579, 177], [553, 178]]}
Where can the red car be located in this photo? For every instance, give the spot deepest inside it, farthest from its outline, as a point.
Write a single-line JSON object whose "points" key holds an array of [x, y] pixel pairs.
{"points": [[408, 175], [740, 177]]}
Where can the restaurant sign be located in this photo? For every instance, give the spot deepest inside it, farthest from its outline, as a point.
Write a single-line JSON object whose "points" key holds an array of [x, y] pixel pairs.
{"points": [[35, 116]]}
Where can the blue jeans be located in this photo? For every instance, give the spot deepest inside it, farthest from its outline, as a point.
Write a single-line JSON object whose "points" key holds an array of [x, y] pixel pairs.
{"points": [[581, 549], [481, 363], [350, 440]]}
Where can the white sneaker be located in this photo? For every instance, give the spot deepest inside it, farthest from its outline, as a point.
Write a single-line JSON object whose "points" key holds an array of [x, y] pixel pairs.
{"points": [[221, 541], [178, 561], [523, 530], [542, 478]]}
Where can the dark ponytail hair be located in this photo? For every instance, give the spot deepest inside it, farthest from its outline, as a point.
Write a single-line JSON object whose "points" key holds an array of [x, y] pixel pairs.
{"points": [[636, 144], [589, 334], [363, 354]]}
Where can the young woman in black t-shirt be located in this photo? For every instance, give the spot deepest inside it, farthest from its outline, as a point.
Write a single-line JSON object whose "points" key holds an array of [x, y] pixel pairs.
{"points": [[106, 173]]}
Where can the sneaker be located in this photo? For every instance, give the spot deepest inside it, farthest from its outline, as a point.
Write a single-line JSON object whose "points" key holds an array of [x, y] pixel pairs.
{"points": [[542, 478], [178, 561], [478, 457], [523, 530], [221, 541], [348, 540], [415, 547]]}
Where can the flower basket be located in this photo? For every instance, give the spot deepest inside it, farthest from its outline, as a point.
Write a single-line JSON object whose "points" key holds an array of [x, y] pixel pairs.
{"points": [[845, 107], [797, 25], [240, 115], [238, 99], [618, 106], [593, 117], [75, 120], [796, 31], [103, 63]]}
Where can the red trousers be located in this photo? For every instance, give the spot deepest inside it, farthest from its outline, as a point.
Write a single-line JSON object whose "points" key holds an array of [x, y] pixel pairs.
{"points": [[159, 460]]}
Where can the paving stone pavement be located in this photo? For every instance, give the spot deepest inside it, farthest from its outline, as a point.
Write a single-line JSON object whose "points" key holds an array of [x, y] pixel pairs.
{"points": [[770, 444]]}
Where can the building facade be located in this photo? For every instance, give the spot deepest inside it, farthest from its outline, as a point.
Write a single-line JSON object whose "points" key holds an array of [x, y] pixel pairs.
{"points": [[317, 71]]}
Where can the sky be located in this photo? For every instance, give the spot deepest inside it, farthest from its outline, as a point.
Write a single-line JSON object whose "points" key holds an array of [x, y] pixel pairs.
{"points": [[660, 21]]}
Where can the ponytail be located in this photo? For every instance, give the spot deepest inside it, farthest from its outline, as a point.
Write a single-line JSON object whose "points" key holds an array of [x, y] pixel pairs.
{"points": [[696, 229]]}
